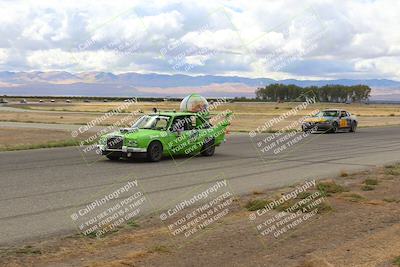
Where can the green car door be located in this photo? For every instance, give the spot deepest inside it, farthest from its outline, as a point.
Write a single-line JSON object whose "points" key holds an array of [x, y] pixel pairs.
{"points": [[179, 134]]}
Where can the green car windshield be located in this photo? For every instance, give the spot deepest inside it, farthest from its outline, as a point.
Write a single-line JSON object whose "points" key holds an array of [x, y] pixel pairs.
{"points": [[327, 113], [153, 122]]}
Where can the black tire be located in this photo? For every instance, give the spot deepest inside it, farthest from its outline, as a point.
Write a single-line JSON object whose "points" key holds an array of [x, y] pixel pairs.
{"points": [[353, 127], [208, 148], [113, 156], [334, 128], [154, 151]]}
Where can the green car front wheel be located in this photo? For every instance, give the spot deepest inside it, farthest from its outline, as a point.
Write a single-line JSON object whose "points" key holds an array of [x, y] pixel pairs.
{"points": [[154, 151], [114, 156]]}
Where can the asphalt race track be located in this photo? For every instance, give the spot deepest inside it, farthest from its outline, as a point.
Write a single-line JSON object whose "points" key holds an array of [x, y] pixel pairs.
{"points": [[39, 189]]}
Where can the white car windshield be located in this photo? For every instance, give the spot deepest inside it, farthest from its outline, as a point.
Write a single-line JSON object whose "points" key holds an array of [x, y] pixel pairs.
{"points": [[154, 122]]}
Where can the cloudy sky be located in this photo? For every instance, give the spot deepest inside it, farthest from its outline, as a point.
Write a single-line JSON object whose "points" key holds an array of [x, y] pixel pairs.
{"points": [[309, 39]]}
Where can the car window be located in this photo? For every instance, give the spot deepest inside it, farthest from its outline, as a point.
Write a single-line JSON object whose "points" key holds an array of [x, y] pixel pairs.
{"points": [[161, 124], [183, 123], [327, 113], [177, 125], [187, 125], [193, 121], [201, 123], [154, 122], [343, 113]]}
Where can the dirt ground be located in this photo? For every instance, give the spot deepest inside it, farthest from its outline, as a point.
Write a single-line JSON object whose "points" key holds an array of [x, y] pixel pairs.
{"points": [[358, 225]]}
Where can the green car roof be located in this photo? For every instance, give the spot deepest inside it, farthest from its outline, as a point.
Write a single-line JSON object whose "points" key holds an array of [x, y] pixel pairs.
{"points": [[173, 113]]}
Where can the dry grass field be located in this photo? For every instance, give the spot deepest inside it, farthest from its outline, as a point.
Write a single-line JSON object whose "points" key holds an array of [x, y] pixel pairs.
{"points": [[56, 117], [247, 117], [14, 138], [253, 108], [30, 138]]}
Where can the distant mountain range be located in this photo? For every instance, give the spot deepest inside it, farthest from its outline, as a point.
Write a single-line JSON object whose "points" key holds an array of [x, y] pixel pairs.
{"points": [[160, 85]]}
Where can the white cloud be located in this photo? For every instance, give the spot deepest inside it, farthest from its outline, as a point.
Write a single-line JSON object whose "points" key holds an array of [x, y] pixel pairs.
{"points": [[81, 61], [38, 30], [3, 55], [240, 34], [218, 40], [383, 65]]}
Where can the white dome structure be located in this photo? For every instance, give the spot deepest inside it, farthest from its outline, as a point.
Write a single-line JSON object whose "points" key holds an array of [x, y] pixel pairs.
{"points": [[194, 103]]}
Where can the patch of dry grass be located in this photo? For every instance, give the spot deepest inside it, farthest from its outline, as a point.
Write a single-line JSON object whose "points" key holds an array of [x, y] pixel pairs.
{"points": [[27, 138], [62, 117], [266, 108], [371, 181], [396, 261], [367, 188], [353, 197], [329, 188], [248, 116]]}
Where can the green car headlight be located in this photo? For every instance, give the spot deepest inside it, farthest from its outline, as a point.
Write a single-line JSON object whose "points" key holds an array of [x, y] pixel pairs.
{"points": [[103, 140]]}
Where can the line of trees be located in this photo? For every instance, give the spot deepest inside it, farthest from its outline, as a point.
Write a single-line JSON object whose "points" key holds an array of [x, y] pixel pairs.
{"points": [[327, 93]]}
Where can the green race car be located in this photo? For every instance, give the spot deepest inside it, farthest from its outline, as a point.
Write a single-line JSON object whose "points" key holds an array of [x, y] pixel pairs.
{"points": [[167, 133]]}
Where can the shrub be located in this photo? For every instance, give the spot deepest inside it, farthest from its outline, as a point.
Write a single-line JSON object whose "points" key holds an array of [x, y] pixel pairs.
{"points": [[392, 169], [396, 261], [256, 204], [329, 188], [353, 197], [370, 181], [367, 188]]}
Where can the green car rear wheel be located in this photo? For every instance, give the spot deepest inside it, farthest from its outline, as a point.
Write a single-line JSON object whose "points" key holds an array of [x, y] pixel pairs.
{"points": [[208, 148]]}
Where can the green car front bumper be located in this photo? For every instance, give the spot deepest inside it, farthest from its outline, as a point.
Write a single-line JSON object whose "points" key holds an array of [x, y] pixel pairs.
{"points": [[125, 149]]}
